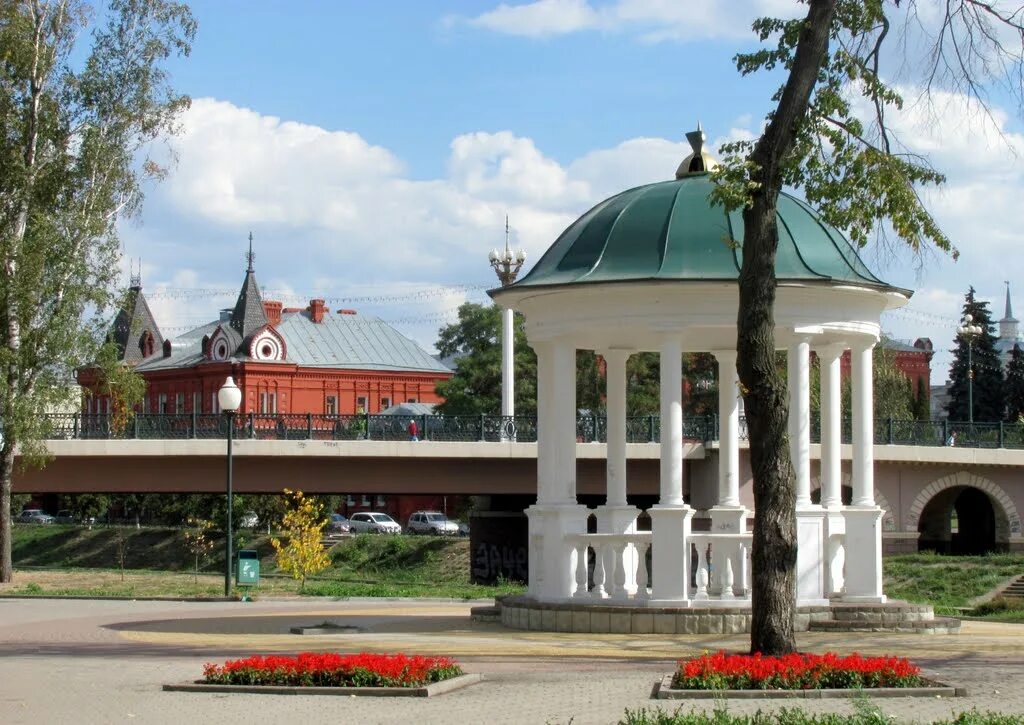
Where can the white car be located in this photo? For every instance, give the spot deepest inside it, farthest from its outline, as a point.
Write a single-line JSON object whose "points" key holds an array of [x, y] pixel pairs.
{"points": [[432, 522], [373, 523]]}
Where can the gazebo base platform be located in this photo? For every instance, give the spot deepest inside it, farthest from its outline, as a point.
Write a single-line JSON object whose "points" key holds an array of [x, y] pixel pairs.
{"points": [[524, 612]]}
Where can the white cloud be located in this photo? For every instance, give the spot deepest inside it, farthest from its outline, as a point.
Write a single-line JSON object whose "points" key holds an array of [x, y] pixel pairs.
{"points": [[651, 20], [335, 215], [540, 19]]}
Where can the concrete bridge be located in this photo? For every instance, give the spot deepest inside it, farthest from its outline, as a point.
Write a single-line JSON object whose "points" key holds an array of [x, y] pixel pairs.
{"points": [[918, 486]]}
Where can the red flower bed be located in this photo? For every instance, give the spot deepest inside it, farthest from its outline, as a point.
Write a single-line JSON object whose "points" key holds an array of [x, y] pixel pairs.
{"points": [[327, 669], [721, 671]]}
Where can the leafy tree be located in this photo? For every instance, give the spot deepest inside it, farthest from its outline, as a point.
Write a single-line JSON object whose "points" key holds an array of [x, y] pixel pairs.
{"points": [[1015, 386], [72, 121], [590, 382], [85, 506], [985, 364], [893, 391], [198, 542], [123, 386], [475, 342], [475, 388], [922, 409], [303, 554], [826, 134], [643, 382], [700, 378]]}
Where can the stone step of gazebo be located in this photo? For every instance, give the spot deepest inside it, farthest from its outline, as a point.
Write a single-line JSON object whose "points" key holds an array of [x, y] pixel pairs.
{"points": [[485, 614], [888, 613], [938, 625]]}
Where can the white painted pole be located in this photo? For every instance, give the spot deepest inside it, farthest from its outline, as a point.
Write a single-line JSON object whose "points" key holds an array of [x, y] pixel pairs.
{"points": [[508, 398]]}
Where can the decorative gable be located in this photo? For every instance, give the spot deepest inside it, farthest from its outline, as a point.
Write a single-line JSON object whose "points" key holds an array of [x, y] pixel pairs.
{"points": [[267, 344], [222, 344]]}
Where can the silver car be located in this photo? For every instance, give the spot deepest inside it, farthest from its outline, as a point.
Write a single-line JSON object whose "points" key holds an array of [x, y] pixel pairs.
{"points": [[432, 522], [34, 516], [373, 523]]}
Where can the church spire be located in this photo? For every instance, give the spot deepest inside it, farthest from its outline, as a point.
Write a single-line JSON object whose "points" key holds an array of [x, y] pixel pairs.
{"points": [[1008, 314], [249, 315]]}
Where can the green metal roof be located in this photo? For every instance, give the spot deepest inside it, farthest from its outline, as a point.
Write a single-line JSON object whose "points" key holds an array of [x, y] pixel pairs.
{"points": [[670, 231]]}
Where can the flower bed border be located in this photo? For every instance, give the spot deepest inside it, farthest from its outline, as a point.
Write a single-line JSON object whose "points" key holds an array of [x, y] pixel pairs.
{"points": [[431, 690], [665, 691]]}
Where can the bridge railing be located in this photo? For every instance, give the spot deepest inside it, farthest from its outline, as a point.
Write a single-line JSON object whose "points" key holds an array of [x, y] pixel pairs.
{"points": [[470, 428]]}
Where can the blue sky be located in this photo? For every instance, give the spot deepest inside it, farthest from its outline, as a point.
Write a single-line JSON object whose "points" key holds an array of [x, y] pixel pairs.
{"points": [[374, 148]]}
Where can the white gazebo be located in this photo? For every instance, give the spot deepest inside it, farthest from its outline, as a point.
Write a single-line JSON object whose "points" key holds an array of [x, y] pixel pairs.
{"points": [[655, 268]]}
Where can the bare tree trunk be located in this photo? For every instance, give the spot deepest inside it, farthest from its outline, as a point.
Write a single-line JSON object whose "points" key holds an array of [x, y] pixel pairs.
{"points": [[6, 471], [774, 542]]}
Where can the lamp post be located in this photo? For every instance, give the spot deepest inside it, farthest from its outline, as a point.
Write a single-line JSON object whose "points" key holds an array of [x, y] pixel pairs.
{"points": [[970, 331], [229, 397], [506, 265]]}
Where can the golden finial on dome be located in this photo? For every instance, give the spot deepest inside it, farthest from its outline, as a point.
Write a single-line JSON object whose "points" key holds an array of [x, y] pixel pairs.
{"points": [[700, 161]]}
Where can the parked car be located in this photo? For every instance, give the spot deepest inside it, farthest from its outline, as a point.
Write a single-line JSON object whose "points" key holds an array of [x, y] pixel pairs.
{"points": [[64, 517], [432, 522], [34, 516], [373, 522], [338, 524]]}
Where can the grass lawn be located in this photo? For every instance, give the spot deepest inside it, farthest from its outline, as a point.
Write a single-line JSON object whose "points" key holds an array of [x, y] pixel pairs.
{"points": [[76, 561], [949, 582]]}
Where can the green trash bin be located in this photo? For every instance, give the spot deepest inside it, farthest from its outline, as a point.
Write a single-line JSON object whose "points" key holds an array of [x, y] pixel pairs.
{"points": [[248, 572]]}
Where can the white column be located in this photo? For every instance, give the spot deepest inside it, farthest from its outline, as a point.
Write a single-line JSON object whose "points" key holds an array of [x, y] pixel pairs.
{"points": [[556, 517], [563, 393], [671, 422], [800, 419], [863, 533], [615, 374], [546, 459], [508, 399], [728, 429], [831, 430], [863, 426]]}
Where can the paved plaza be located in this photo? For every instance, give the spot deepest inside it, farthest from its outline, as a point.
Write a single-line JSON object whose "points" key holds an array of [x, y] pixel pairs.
{"points": [[87, 661]]}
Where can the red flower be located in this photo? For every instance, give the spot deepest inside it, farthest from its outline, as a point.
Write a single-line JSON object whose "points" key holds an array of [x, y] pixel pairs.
{"points": [[328, 669], [721, 671]]}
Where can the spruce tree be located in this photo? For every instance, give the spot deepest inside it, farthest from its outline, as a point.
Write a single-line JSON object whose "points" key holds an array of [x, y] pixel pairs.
{"points": [[988, 371], [1014, 390]]}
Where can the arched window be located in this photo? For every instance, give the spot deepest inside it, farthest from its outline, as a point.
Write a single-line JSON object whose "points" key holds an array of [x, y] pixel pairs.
{"points": [[146, 343]]}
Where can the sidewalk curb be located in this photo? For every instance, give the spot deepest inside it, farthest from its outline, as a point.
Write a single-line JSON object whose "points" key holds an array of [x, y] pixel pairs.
{"points": [[665, 691], [431, 690]]}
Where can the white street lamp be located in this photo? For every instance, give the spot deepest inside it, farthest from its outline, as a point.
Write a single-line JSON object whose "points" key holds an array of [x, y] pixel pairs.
{"points": [[970, 331], [506, 265], [229, 397]]}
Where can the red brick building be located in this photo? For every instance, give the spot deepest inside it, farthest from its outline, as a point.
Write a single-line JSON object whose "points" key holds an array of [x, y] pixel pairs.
{"points": [[284, 359]]}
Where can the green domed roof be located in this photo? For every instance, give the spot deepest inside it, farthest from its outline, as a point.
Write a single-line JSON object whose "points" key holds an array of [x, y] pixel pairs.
{"points": [[670, 231]]}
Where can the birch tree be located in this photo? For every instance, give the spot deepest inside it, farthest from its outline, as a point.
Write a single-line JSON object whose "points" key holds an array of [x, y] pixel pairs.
{"points": [[73, 141], [828, 135]]}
